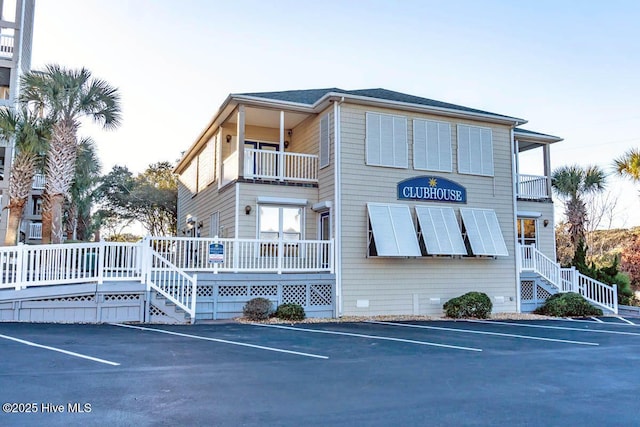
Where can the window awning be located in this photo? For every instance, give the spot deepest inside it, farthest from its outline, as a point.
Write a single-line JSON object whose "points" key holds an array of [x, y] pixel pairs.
{"points": [[393, 230], [483, 232], [440, 231]]}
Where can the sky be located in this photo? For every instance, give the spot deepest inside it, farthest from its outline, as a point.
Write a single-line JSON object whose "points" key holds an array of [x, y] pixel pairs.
{"points": [[570, 68]]}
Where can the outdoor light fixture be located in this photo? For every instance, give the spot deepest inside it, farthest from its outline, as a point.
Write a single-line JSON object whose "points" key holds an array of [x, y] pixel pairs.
{"points": [[228, 139], [247, 209], [286, 144], [545, 222]]}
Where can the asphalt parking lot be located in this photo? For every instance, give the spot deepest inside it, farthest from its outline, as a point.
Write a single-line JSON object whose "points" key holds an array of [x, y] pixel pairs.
{"points": [[534, 373]]}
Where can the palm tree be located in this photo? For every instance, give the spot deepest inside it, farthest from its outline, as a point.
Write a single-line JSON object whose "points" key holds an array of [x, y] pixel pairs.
{"points": [[29, 134], [628, 165], [573, 183], [66, 96], [81, 193]]}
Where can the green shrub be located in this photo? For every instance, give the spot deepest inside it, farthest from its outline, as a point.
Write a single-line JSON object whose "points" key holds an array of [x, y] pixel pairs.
{"points": [[257, 309], [290, 311], [471, 304], [568, 304]]}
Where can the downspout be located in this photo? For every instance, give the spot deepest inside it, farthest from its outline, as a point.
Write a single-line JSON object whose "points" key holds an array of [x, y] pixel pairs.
{"points": [[337, 210], [514, 184]]}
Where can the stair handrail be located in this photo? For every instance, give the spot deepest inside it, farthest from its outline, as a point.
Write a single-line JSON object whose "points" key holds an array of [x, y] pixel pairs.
{"points": [[597, 292], [177, 284], [531, 259]]}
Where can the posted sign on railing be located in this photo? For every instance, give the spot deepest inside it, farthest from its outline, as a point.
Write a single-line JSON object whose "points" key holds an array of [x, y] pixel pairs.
{"points": [[216, 253]]}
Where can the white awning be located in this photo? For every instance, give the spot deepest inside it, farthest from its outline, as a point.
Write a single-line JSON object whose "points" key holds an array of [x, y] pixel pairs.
{"points": [[440, 231], [483, 232], [393, 230]]}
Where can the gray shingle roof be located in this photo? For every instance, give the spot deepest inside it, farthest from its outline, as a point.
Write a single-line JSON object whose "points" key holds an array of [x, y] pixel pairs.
{"points": [[532, 133], [310, 96]]}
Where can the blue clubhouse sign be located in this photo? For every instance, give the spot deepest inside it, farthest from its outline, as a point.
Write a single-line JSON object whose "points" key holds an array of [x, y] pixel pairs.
{"points": [[431, 189]]}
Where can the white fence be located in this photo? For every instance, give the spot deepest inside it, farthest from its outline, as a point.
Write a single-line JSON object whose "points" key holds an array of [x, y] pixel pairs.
{"points": [[246, 255], [38, 182], [568, 279], [35, 230], [532, 187], [265, 164]]}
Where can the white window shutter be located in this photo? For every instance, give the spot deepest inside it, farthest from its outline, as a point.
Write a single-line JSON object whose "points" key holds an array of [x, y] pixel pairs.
{"points": [[487, 151], [420, 144], [401, 153], [324, 141], [393, 230], [444, 139], [373, 138], [433, 146], [440, 231], [464, 160], [483, 232]]}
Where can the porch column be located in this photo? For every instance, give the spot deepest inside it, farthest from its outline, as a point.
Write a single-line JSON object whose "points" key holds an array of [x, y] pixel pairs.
{"points": [[281, 150], [240, 140], [516, 145], [547, 167]]}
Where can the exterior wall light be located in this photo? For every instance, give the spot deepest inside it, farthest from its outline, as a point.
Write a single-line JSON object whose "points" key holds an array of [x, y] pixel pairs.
{"points": [[545, 222], [247, 209], [229, 138]]}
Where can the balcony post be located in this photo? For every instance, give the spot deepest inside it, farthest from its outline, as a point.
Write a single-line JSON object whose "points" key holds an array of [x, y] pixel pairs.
{"points": [[280, 158], [240, 140], [547, 167]]}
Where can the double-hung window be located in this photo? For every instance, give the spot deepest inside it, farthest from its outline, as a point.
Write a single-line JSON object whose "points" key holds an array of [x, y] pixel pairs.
{"points": [[431, 145], [386, 140], [475, 150]]}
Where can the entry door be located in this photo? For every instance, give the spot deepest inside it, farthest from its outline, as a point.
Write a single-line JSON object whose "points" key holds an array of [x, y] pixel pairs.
{"points": [[324, 231], [527, 231]]}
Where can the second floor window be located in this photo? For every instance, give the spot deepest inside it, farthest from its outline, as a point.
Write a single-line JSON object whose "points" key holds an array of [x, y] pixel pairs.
{"points": [[386, 140], [431, 145], [475, 150]]}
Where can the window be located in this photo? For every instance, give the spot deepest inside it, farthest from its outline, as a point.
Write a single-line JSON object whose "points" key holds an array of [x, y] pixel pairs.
{"points": [[324, 141], [431, 145], [214, 225], [483, 232], [475, 150], [527, 231], [280, 222], [386, 140], [206, 165], [189, 177], [440, 231], [391, 231]]}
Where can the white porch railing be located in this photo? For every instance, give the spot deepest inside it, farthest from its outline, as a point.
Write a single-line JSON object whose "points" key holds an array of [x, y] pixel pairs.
{"points": [[277, 165], [6, 46], [532, 187], [247, 255], [35, 230], [38, 182], [568, 279]]}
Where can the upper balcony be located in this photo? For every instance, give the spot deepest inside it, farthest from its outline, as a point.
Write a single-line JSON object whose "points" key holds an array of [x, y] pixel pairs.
{"points": [[528, 145], [6, 46], [272, 165]]}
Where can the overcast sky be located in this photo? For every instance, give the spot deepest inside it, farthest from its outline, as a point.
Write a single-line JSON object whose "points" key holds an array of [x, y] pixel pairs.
{"points": [[569, 67]]}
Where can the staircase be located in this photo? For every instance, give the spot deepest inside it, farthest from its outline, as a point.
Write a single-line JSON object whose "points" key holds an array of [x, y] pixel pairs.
{"points": [[540, 275]]}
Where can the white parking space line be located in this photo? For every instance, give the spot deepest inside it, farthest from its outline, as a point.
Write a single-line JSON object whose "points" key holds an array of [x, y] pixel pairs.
{"points": [[374, 337], [59, 350], [470, 331], [242, 344], [562, 328], [596, 319], [625, 320]]}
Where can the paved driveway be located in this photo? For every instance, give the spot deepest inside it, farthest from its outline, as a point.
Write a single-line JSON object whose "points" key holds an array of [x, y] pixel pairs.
{"points": [[353, 374]]}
